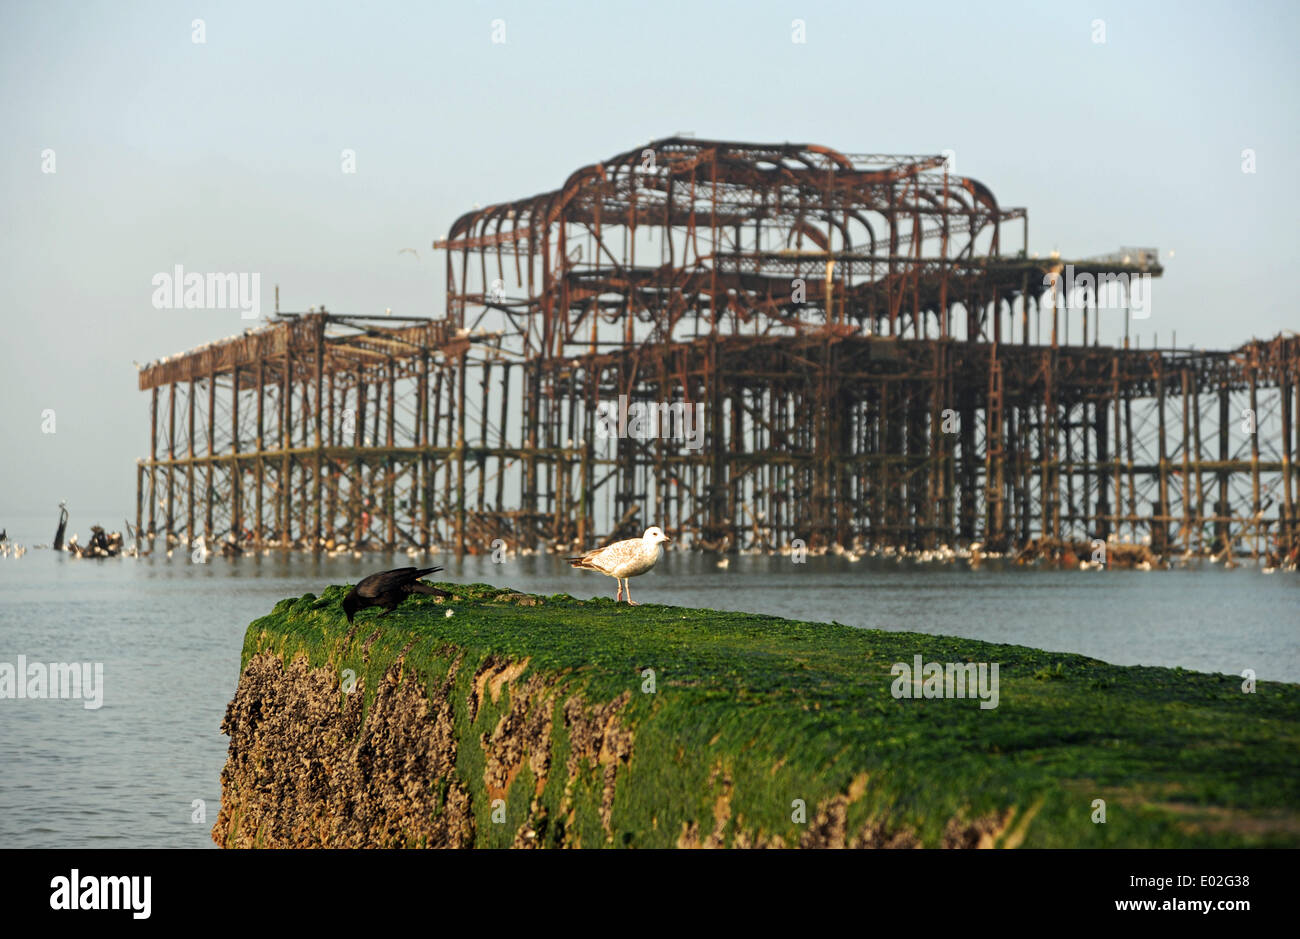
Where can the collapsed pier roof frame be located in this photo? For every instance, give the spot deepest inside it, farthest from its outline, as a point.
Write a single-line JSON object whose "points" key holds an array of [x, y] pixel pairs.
{"points": [[876, 357], [730, 238]]}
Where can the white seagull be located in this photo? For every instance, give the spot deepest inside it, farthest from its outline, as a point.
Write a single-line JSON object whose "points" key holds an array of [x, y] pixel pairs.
{"points": [[624, 559]]}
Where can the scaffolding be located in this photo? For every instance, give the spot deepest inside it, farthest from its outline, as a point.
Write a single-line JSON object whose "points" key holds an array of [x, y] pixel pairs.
{"points": [[871, 363]]}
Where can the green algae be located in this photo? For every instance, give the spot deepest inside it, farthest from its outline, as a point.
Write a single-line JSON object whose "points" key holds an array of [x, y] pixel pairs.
{"points": [[751, 715]]}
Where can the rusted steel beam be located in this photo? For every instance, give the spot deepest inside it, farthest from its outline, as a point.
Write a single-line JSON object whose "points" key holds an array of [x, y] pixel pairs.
{"points": [[824, 309]]}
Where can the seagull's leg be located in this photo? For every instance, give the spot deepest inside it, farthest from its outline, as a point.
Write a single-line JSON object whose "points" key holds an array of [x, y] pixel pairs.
{"points": [[630, 601], [619, 581]]}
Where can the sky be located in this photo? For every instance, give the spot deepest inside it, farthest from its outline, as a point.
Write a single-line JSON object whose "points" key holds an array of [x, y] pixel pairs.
{"points": [[227, 155]]}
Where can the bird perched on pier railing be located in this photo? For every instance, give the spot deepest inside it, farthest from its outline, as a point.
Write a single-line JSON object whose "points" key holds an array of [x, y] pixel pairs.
{"points": [[388, 589], [624, 559]]}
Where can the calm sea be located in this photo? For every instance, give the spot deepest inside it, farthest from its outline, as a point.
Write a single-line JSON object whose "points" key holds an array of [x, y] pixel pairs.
{"points": [[169, 633]]}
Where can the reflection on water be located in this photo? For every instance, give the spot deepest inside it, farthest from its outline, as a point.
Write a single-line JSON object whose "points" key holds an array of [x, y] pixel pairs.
{"points": [[169, 633]]}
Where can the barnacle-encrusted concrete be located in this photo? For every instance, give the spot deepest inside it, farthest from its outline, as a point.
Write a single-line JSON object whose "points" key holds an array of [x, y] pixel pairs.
{"points": [[525, 721]]}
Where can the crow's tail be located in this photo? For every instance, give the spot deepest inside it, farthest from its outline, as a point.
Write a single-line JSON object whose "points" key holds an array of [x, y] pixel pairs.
{"points": [[418, 587]]}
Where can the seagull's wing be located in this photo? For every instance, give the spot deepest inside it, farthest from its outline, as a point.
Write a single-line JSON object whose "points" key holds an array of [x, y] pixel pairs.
{"points": [[611, 557]]}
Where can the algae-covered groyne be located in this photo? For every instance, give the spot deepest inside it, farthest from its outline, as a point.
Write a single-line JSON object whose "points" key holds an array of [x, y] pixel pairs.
{"points": [[498, 719]]}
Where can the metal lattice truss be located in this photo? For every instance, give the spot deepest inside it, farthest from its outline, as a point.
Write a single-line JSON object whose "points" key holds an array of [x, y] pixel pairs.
{"points": [[837, 347]]}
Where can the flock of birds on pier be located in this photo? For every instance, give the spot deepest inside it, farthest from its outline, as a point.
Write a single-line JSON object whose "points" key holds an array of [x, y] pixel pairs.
{"points": [[633, 557]]}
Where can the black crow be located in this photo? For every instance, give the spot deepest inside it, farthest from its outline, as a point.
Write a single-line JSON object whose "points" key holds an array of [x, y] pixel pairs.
{"points": [[388, 589]]}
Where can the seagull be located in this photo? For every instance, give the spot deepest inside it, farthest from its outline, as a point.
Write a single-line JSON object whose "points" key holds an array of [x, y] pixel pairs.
{"points": [[388, 589], [624, 559]]}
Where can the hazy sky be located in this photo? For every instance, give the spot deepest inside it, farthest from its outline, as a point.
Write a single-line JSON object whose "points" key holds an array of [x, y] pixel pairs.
{"points": [[225, 156]]}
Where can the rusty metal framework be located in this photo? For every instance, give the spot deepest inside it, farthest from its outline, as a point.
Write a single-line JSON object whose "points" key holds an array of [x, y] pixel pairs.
{"points": [[874, 366]]}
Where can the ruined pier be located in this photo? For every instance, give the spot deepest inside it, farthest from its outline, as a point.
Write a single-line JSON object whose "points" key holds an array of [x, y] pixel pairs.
{"points": [[879, 359]]}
